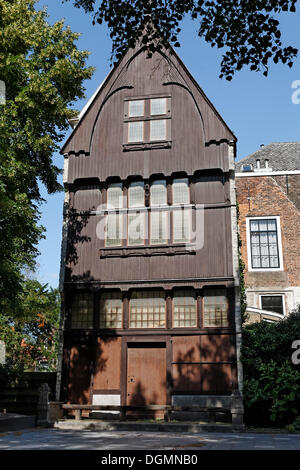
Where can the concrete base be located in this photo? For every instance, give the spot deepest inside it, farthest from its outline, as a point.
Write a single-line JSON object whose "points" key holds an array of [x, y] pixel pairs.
{"points": [[15, 422], [97, 425]]}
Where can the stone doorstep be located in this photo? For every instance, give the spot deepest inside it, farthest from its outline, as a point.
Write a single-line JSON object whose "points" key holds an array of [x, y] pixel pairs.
{"points": [[97, 425], [16, 422]]}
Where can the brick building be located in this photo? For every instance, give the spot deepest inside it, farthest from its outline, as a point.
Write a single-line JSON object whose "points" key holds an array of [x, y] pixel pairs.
{"points": [[268, 195]]}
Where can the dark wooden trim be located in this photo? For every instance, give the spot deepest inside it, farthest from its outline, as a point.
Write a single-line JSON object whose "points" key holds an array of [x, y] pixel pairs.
{"points": [[106, 392], [123, 377], [169, 379]]}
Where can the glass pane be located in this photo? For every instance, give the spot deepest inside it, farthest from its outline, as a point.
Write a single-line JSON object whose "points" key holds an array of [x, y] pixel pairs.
{"points": [[158, 129], [181, 194], [272, 303], [254, 225], [111, 310], [136, 228], [115, 196], [158, 106], [82, 310], [158, 227], [136, 108], [114, 230], [158, 193], [136, 194], [136, 131], [263, 225], [272, 225]]}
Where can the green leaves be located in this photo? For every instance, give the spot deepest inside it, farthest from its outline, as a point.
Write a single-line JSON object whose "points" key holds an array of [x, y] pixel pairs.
{"points": [[30, 331], [44, 74], [247, 30], [271, 380]]}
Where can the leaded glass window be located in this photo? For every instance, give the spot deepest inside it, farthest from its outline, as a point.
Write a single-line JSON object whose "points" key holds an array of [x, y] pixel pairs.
{"points": [[184, 308], [215, 308], [264, 243], [111, 310], [147, 309], [82, 310]]}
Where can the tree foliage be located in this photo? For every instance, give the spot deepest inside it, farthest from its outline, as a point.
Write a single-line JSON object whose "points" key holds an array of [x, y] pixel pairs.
{"points": [[249, 31], [43, 71], [31, 332], [271, 380]]}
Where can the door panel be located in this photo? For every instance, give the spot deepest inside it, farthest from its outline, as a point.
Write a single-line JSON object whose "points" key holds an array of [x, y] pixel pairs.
{"points": [[146, 377]]}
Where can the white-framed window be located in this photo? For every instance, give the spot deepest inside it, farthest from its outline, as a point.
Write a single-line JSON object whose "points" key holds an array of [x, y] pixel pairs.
{"points": [[272, 302], [264, 247]]}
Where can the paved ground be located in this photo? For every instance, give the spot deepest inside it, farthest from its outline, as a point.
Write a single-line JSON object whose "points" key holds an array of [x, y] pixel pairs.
{"points": [[57, 439]]}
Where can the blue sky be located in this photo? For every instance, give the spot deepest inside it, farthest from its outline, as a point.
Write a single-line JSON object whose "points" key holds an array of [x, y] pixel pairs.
{"points": [[258, 109]]}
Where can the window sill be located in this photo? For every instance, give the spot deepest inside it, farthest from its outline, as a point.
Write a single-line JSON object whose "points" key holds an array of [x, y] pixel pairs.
{"points": [[159, 144], [153, 250]]}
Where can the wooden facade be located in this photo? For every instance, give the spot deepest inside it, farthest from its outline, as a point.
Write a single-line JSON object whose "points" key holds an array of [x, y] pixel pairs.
{"points": [[151, 321]]}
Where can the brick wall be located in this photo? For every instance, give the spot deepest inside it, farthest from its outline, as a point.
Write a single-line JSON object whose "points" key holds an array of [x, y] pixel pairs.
{"points": [[272, 196]]}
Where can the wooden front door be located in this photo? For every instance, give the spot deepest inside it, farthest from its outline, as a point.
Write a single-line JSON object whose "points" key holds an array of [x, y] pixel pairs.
{"points": [[146, 377]]}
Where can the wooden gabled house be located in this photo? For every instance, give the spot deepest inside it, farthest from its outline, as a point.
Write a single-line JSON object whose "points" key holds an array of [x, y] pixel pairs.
{"points": [[149, 272]]}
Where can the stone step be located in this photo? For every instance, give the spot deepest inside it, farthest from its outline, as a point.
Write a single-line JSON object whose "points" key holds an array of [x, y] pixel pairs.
{"points": [[98, 425]]}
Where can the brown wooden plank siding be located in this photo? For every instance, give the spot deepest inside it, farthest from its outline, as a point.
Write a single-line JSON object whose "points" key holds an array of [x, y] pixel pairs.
{"points": [[193, 360], [95, 148]]}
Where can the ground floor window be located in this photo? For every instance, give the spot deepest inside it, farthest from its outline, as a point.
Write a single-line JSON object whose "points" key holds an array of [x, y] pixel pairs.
{"points": [[184, 308], [272, 303], [82, 311], [111, 310], [147, 309], [215, 308]]}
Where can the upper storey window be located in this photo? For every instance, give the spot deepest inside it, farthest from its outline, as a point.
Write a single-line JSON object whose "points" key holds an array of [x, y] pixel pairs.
{"points": [[147, 122]]}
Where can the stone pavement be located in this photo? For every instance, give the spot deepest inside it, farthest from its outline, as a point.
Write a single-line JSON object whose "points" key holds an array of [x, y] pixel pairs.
{"points": [[57, 439]]}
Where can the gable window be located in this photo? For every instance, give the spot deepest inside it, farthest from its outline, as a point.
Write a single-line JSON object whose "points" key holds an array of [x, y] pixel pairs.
{"points": [[184, 308], [147, 309], [215, 308], [111, 310], [264, 243], [82, 311], [147, 121], [272, 303]]}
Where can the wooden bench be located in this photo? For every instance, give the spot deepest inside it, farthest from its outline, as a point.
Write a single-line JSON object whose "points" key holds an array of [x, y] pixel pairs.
{"points": [[123, 409]]}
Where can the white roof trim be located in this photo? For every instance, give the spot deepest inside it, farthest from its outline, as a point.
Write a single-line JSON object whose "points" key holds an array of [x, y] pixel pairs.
{"points": [[90, 101], [267, 173]]}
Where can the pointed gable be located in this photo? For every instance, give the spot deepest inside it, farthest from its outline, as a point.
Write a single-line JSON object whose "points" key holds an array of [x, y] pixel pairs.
{"points": [[196, 136]]}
